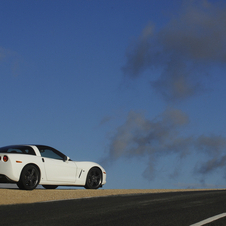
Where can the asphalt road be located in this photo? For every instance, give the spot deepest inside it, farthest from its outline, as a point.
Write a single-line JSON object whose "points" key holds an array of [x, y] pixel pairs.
{"points": [[162, 209]]}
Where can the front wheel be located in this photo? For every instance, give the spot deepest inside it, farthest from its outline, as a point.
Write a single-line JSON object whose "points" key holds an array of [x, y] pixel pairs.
{"points": [[29, 178], [94, 178]]}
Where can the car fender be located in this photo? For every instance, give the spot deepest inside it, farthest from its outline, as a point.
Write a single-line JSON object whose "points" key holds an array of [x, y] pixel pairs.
{"points": [[83, 169], [15, 164]]}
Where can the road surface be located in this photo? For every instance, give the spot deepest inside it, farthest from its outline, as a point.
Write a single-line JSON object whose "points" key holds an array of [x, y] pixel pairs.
{"points": [[161, 209]]}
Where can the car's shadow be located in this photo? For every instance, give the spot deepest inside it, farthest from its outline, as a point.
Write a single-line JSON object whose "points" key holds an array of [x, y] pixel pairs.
{"points": [[14, 186]]}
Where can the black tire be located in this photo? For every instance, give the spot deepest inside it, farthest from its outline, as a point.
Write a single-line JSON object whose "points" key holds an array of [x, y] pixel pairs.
{"points": [[29, 178], [50, 186], [94, 178]]}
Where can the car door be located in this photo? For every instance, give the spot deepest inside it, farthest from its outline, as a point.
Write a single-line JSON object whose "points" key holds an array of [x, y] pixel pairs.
{"points": [[56, 167]]}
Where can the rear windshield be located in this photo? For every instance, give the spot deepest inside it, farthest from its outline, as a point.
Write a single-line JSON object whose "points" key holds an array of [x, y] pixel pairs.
{"points": [[18, 149]]}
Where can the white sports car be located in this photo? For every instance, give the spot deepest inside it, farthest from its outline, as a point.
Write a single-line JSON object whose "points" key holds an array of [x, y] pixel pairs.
{"points": [[30, 165]]}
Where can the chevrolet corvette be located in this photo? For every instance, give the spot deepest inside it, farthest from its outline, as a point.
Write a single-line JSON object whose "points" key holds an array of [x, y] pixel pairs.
{"points": [[31, 165]]}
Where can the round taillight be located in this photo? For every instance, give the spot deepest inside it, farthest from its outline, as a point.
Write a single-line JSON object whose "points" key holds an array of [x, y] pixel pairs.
{"points": [[5, 158]]}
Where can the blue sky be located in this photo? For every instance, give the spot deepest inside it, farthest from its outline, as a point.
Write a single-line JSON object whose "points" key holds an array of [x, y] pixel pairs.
{"points": [[137, 86]]}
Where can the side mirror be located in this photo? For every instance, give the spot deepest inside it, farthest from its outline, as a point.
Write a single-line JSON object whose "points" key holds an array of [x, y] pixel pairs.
{"points": [[66, 158]]}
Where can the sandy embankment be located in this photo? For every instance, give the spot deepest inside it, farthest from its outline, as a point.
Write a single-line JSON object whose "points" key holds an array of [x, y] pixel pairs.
{"points": [[14, 196]]}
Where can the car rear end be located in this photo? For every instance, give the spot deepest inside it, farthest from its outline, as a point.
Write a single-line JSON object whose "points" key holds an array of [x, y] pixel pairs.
{"points": [[7, 169]]}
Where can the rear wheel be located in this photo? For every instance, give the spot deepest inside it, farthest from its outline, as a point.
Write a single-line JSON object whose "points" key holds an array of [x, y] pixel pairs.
{"points": [[94, 178], [49, 186], [29, 178]]}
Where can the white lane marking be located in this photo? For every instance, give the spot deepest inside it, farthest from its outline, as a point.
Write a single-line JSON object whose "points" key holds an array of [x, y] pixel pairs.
{"points": [[208, 220]]}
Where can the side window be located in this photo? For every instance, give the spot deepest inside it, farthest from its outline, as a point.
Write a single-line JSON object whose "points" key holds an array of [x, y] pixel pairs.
{"points": [[48, 153], [18, 149], [14, 150]]}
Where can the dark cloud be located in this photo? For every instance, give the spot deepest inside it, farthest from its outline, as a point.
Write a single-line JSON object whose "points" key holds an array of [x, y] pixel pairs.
{"points": [[139, 137], [214, 147], [212, 164], [184, 50]]}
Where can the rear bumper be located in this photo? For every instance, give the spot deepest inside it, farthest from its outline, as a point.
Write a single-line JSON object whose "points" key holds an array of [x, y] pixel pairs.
{"points": [[5, 179]]}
